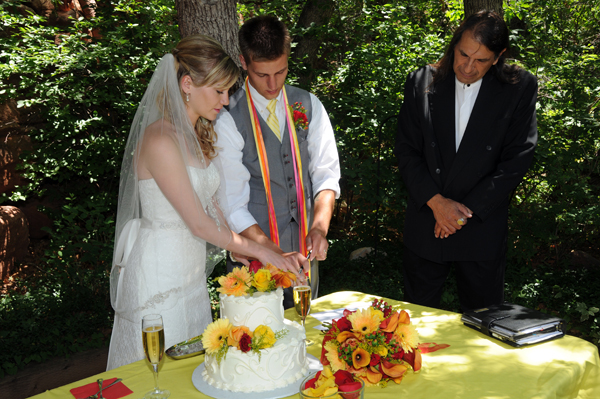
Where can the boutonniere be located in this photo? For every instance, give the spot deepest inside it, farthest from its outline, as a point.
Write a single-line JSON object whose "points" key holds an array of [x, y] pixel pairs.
{"points": [[299, 113]]}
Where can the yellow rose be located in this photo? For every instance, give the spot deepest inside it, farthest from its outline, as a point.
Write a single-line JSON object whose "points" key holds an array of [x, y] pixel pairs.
{"points": [[262, 280], [382, 351], [263, 337]]}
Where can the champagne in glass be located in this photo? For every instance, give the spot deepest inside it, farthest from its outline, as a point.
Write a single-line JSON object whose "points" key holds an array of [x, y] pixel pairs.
{"points": [[153, 338], [302, 294]]}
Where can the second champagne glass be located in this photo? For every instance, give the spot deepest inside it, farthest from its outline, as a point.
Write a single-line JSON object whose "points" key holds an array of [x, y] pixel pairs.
{"points": [[302, 295], [153, 337]]}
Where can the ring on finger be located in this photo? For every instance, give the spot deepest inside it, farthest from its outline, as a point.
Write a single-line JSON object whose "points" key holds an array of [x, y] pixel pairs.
{"points": [[460, 221]]}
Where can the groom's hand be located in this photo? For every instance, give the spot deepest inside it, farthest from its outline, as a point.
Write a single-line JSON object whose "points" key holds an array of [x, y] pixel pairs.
{"points": [[317, 243], [316, 239]]}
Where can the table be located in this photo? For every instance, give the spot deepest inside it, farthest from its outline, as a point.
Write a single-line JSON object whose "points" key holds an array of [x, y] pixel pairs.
{"points": [[474, 366]]}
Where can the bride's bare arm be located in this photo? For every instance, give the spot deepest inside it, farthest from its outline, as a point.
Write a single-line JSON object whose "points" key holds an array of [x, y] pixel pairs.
{"points": [[161, 158]]}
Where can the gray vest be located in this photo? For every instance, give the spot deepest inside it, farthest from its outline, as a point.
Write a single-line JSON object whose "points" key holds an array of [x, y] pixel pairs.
{"points": [[281, 167]]}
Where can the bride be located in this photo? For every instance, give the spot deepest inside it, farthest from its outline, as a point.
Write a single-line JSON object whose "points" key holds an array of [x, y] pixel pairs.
{"points": [[168, 209]]}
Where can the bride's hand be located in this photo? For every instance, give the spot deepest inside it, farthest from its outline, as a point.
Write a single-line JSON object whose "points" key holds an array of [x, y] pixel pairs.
{"points": [[302, 263], [243, 259]]}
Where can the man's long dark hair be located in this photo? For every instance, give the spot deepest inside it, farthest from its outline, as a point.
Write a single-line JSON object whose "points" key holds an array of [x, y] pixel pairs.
{"points": [[489, 29]]}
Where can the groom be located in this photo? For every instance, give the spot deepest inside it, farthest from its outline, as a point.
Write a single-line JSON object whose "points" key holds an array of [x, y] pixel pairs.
{"points": [[281, 192]]}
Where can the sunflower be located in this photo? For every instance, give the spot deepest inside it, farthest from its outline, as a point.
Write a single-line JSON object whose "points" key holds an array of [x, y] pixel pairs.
{"points": [[333, 356], [365, 321], [235, 283], [215, 335], [408, 337]]}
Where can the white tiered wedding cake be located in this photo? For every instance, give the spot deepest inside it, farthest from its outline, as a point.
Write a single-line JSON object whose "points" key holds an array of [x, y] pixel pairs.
{"points": [[280, 365]]}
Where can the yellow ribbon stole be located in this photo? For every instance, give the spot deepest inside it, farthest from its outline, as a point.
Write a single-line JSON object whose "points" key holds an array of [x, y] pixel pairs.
{"points": [[302, 215]]}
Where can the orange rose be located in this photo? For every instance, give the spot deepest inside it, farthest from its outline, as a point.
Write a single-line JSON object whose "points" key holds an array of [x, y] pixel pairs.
{"points": [[235, 335]]}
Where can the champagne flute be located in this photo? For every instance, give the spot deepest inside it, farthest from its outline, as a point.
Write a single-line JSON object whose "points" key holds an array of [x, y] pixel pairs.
{"points": [[153, 337], [302, 294]]}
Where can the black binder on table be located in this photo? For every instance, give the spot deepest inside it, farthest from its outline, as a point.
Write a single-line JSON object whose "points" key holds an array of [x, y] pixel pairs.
{"points": [[514, 324]]}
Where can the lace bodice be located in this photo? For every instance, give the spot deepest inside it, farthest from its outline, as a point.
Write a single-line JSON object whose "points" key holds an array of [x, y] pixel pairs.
{"points": [[157, 208]]}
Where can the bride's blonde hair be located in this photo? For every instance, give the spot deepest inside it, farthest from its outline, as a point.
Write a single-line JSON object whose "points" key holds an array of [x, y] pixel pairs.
{"points": [[204, 60]]}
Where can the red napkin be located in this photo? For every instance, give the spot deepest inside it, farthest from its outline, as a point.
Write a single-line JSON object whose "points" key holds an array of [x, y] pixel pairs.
{"points": [[115, 392]]}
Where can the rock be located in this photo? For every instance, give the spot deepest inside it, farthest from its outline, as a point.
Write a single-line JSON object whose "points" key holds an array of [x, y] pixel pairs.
{"points": [[14, 236], [360, 252]]}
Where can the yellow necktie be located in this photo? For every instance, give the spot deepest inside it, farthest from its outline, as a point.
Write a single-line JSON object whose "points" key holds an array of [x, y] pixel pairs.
{"points": [[272, 120]]}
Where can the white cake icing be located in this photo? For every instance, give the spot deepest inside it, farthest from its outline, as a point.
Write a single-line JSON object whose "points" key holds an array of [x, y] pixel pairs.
{"points": [[282, 364], [264, 308]]}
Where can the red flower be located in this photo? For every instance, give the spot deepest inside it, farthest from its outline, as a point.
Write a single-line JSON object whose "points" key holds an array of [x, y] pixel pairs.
{"points": [[399, 354], [299, 115], [350, 387], [343, 377], [255, 266], [245, 342], [375, 358], [324, 360], [344, 324], [388, 337]]}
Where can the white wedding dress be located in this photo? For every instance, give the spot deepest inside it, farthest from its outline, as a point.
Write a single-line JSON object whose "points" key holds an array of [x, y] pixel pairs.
{"points": [[165, 273]]}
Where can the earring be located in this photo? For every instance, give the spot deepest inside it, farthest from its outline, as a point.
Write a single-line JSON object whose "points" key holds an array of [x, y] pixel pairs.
{"points": [[187, 97]]}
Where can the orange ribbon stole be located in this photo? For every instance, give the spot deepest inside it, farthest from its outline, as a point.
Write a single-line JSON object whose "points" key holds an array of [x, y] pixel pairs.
{"points": [[264, 167]]}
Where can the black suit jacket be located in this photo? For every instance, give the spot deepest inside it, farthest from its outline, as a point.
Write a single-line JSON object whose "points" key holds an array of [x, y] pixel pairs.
{"points": [[494, 155]]}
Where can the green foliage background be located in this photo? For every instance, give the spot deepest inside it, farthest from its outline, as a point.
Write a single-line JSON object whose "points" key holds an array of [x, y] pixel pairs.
{"points": [[85, 91]]}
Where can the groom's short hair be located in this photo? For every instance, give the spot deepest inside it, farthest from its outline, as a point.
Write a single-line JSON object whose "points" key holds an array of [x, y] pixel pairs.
{"points": [[264, 38]]}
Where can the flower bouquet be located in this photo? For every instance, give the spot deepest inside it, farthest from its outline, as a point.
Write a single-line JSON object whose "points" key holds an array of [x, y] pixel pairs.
{"points": [[376, 344], [248, 280], [220, 335]]}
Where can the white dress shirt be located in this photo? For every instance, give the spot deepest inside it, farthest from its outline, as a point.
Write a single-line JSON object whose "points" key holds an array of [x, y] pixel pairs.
{"points": [[323, 166], [465, 96]]}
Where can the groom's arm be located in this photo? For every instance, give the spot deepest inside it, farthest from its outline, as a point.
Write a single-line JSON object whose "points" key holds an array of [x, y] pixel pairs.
{"points": [[324, 170]]}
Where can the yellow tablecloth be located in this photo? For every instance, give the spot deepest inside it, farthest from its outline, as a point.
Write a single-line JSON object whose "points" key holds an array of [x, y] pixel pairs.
{"points": [[474, 366]]}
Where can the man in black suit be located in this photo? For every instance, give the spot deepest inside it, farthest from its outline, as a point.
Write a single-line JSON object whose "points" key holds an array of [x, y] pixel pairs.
{"points": [[466, 137]]}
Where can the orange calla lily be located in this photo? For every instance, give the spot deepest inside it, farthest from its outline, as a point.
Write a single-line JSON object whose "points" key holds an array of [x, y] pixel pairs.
{"points": [[282, 278], [392, 369], [418, 360], [390, 324], [414, 359], [398, 380], [360, 358], [373, 375], [404, 317], [344, 335]]}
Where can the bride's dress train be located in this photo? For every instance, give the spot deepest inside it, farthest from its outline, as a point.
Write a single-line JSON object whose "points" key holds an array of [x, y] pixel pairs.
{"points": [[165, 273]]}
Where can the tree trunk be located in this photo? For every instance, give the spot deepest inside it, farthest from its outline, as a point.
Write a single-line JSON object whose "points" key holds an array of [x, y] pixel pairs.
{"points": [[215, 18], [472, 6], [315, 14]]}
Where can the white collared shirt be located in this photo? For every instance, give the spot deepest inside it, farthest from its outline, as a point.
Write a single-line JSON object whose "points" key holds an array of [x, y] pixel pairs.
{"points": [[323, 167], [260, 103], [465, 96]]}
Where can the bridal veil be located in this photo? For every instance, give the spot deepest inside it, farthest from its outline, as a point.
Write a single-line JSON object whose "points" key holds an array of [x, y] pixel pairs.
{"points": [[163, 109]]}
